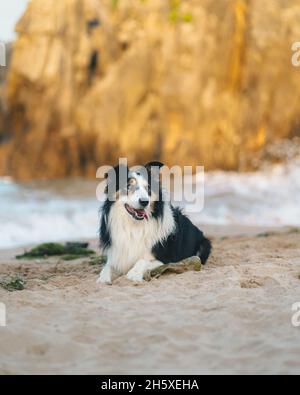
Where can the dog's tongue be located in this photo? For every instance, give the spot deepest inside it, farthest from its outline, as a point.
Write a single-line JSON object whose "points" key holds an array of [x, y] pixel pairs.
{"points": [[142, 213]]}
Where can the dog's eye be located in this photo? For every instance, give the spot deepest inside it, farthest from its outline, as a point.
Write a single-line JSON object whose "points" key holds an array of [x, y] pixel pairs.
{"points": [[131, 183]]}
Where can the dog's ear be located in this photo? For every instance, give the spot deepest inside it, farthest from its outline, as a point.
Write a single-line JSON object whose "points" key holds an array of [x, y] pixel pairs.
{"points": [[154, 164]]}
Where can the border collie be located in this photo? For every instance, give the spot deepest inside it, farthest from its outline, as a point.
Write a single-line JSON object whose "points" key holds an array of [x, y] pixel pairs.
{"points": [[140, 229]]}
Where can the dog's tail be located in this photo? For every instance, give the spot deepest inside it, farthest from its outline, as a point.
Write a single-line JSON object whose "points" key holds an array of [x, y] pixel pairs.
{"points": [[204, 250]]}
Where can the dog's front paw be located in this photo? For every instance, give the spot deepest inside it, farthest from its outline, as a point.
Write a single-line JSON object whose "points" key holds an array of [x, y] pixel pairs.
{"points": [[135, 275], [105, 276]]}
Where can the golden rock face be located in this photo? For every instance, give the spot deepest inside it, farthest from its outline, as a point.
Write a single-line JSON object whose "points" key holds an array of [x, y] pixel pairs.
{"points": [[187, 82]]}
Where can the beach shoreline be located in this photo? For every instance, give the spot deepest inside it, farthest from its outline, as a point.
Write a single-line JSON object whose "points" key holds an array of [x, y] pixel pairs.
{"points": [[234, 316]]}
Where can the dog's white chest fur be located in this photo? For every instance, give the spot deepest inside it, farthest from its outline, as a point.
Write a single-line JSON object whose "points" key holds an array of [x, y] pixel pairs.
{"points": [[133, 240]]}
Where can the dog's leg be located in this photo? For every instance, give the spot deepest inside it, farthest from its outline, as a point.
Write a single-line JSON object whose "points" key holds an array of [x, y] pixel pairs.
{"points": [[141, 268], [107, 275]]}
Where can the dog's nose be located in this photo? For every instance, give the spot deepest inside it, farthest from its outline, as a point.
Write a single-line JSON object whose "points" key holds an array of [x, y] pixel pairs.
{"points": [[144, 202]]}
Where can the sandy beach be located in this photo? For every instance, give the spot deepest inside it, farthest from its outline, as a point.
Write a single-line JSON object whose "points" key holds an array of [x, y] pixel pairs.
{"points": [[234, 316], [87, 85]]}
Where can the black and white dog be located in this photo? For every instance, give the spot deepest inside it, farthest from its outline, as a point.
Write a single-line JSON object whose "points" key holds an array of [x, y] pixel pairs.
{"points": [[140, 229]]}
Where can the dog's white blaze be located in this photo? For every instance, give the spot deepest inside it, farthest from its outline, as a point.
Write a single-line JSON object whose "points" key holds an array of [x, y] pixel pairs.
{"points": [[133, 240], [140, 192]]}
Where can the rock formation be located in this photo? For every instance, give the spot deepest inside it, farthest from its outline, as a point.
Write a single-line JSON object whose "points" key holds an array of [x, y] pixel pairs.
{"points": [[187, 82]]}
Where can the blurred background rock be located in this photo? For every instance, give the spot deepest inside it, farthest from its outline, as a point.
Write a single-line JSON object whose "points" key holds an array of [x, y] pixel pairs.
{"points": [[188, 82]]}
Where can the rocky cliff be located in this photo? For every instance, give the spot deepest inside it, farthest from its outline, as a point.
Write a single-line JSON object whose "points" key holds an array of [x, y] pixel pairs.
{"points": [[189, 82]]}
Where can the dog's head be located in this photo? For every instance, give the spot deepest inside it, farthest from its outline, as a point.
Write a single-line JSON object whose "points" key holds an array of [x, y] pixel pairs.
{"points": [[136, 189]]}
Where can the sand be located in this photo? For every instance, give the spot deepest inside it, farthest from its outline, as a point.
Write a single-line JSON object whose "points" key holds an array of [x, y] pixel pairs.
{"points": [[234, 316]]}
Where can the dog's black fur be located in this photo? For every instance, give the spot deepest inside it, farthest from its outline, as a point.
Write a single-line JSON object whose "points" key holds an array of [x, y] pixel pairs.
{"points": [[186, 241]]}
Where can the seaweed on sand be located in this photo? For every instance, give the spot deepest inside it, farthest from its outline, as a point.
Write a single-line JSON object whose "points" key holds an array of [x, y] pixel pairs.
{"points": [[69, 251], [12, 284], [98, 260]]}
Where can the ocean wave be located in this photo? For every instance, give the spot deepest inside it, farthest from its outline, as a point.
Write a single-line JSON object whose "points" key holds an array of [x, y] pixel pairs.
{"points": [[68, 210], [34, 214], [268, 197]]}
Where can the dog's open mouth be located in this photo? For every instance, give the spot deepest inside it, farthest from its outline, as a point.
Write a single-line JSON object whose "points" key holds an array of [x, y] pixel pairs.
{"points": [[139, 215]]}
